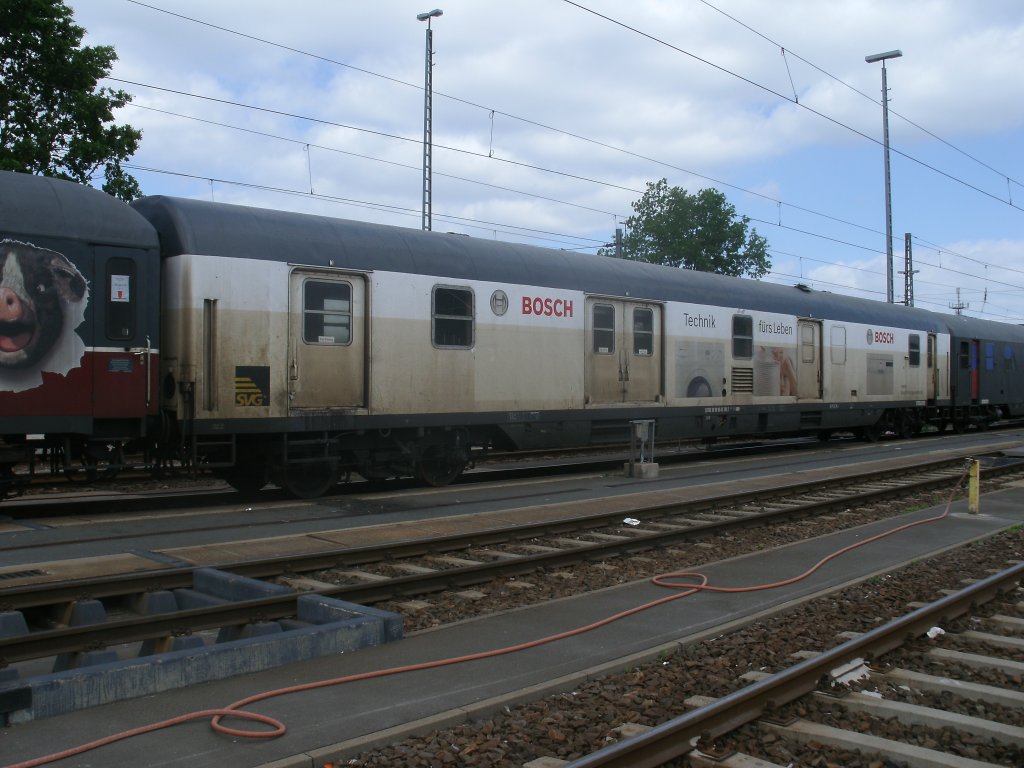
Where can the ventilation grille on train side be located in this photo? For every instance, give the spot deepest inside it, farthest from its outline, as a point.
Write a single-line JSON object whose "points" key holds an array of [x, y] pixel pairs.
{"points": [[742, 380], [10, 575]]}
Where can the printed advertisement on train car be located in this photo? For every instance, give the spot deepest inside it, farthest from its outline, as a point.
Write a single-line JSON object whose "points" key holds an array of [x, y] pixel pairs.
{"points": [[43, 298], [719, 352]]}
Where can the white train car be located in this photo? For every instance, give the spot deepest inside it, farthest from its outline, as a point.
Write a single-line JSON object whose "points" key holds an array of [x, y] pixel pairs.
{"points": [[299, 347]]}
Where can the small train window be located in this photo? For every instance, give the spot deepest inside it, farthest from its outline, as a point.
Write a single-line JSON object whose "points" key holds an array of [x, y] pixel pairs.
{"points": [[914, 351], [604, 329], [452, 315], [808, 344], [643, 332], [837, 345], [742, 336], [121, 299], [326, 312]]}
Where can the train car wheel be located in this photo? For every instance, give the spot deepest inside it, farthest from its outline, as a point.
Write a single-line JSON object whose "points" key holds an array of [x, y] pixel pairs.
{"points": [[439, 465], [94, 461], [9, 483], [872, 433], [310, 480], [248, 482]]}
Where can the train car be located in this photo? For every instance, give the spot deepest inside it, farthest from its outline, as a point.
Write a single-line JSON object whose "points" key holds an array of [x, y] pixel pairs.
{"points": [[79, 323], [985, 371], [299, 346], [269, 346]]}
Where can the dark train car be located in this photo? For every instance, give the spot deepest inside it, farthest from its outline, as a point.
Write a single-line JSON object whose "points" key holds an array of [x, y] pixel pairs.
{"points": [[987, 371], [79, 320]]}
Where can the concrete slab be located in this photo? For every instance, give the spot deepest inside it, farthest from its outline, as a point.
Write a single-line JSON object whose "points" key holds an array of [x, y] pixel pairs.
{"points": [[82, 568], [324, 626]]}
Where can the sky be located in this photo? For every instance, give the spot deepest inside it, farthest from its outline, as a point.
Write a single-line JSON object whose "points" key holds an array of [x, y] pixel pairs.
{"points": [[550, 117]]}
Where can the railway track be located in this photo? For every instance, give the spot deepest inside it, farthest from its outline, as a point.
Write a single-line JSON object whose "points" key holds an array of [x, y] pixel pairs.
{"points": [[135, 489], [401, 566], [815, 701], [138, 490]]}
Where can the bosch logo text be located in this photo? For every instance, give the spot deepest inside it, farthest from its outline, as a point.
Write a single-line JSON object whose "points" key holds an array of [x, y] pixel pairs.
{"points": [[884, 337], [547, 307]]}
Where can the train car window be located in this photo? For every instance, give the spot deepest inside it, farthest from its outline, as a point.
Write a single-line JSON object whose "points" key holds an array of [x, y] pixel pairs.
{"points": [[121, 298], [452, 317], [643, 332], [742, 336], [604, 329], [990, 356], [326, 312], [808, 351], [1009, 361], [837, 347], [914, 351], [965, 356]]}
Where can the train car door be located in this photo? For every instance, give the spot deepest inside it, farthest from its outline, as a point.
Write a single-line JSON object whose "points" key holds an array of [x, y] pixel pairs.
{"points": [[124, 333], [965, 373], [624, 351], [808, 369], [327, 346], [975, 367]]}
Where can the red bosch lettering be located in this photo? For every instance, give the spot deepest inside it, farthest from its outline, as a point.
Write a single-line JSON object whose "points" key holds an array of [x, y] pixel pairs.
{"points": [[547, 307], [885, 337]]}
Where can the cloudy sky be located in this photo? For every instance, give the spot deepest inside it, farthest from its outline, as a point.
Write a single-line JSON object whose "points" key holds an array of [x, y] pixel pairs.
{"points": [[550, 117]]}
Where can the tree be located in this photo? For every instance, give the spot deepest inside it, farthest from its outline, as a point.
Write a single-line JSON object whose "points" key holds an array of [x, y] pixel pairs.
{"points": [[700, 232], [54, 121]]}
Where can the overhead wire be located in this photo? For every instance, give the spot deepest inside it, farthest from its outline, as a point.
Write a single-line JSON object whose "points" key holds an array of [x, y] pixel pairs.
{"points": [[267, 134], [542, 169], [492, 111], [399, 210], [468, 221], [533, 233], [1001, 174], [383, 134], [793, 101], [528, 121]]}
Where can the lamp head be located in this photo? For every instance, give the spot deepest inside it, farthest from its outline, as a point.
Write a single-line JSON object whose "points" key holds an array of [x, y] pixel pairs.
{"points": [[883, 56], [429, 14]]}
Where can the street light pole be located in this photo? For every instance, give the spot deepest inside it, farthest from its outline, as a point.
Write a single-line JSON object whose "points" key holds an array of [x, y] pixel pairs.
{"points": [[882, 57], [428, 98]]}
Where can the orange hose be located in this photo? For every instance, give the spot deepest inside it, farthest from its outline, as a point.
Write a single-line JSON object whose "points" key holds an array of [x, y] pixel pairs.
{"points": [[217, 716]]}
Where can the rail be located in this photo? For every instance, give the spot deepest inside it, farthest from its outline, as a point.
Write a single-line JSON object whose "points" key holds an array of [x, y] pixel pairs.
{"points": [[678, 736]]}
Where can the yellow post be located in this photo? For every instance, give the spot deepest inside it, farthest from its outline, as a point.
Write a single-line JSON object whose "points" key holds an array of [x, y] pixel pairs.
{"points": [[973, 503]]}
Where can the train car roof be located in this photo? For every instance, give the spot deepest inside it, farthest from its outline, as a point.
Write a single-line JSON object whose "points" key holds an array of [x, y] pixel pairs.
{"points": [[200, 227], [38, 206]]}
